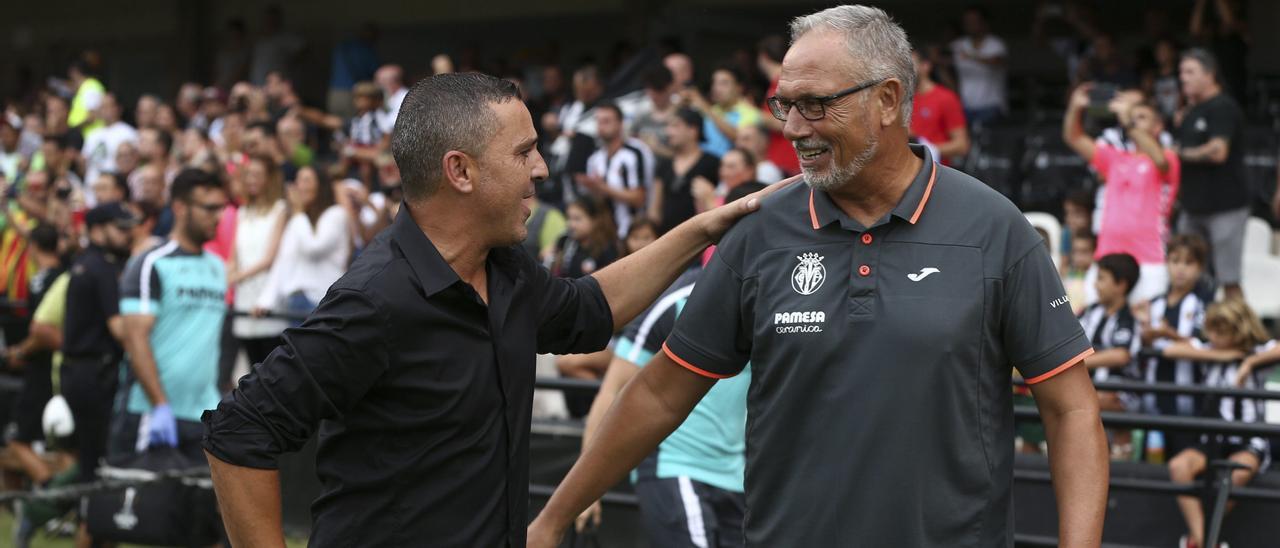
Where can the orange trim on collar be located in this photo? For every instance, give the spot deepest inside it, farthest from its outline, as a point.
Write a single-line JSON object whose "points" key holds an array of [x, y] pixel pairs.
{"points": [[925, 198], [813, 213]]}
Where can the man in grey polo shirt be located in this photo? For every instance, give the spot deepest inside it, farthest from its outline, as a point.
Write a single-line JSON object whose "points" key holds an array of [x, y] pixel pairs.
{"points": [[883, 308]]}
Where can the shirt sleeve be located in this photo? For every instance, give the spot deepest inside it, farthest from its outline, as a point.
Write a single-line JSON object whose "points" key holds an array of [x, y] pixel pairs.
{"points": [[573, 315], [1222, 122], [52, 310], [139, 288], [320, 370], [1039, 339], [721, 351]]}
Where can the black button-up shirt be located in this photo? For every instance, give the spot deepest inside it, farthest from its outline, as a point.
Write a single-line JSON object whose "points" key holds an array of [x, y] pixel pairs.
{"points": [[93, 297], [421, 392]]}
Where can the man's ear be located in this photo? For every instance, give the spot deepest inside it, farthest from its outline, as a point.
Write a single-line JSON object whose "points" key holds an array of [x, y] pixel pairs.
{"points": [[890, 95], [459, 171]]}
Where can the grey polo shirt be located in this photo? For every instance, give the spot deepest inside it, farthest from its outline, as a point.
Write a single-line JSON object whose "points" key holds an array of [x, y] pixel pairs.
{"points": [[879, 412]]}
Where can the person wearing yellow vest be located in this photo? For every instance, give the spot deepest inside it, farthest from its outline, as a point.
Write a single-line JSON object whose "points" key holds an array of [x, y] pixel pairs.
{"points": [[89, 92]]}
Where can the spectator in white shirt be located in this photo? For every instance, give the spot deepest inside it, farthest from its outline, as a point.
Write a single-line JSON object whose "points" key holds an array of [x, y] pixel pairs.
{"points": [[980, 64], [391, 79], [259, 228], [314, 249], [101, 145]]}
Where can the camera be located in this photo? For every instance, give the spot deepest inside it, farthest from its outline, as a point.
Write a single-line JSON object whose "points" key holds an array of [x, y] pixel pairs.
{"points": [[1100, 97]]}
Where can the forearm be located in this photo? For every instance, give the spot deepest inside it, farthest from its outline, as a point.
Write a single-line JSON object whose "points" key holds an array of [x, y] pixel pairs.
{"points": [[250, 502], [143, 363], [1073, 133], [633, 197], [1149, 146], [1211, 152], [636, 423], [1188, 352], [1080, 470], [633, 282], [1112, 358]]}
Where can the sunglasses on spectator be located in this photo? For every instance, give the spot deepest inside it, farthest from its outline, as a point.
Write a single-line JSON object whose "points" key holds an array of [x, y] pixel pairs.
{"points": [[812, 108]]}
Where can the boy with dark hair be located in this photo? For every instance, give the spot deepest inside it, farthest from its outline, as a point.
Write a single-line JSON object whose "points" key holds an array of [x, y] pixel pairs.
{"points": [[1176, 316], [1114, 332]]}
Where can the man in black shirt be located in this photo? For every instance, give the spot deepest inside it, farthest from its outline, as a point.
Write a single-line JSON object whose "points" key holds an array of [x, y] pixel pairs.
{"points": [[90, 342], [1214, 195], [417, 368], [673, 183]]}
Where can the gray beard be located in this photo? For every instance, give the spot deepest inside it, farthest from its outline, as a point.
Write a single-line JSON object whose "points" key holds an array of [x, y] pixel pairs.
{"points": [[838, 175]]}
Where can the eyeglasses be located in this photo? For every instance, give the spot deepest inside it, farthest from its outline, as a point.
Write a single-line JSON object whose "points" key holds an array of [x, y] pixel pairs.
{"points": [[812, 108]]}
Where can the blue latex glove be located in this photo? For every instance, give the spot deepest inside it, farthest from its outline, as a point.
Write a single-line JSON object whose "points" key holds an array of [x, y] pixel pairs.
{"points": [[162, 428]]}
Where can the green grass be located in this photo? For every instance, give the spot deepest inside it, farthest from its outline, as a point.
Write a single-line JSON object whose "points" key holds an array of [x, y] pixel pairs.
{"points": [[43, 540]]}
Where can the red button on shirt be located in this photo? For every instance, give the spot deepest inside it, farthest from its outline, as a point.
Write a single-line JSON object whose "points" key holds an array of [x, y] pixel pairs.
{"points": [[866, 239], [864, 270]]}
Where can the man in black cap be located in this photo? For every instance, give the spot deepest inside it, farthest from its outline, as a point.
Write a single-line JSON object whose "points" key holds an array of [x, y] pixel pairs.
{"points": [[90, 343]]}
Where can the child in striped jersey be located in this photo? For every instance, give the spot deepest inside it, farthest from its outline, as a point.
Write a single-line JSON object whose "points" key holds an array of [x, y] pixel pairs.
{"points": [[1237, 346], [1176, 316]]}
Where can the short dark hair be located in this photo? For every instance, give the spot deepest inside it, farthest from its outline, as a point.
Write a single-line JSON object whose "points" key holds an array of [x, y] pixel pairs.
{"points": [[1208, 61], [1193, 244], [610, 105], [1123, 267], [45, 238], [735, 72], [185, 184], [746, 155], [690, 117], [1082, 198], [658, 77], [166, 140], [442, 113]]}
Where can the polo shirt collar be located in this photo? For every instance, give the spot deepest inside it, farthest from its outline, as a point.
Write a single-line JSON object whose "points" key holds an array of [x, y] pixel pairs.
{"points": [[433, 272], [822, 211]]}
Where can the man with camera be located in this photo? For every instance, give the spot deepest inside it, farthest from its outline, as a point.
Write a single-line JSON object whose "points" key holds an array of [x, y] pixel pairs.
{"points": [[1141, 177]]}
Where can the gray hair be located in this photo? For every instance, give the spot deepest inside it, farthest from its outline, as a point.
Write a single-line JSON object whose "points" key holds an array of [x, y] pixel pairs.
{"points": [[872, 39], [443, 113]]}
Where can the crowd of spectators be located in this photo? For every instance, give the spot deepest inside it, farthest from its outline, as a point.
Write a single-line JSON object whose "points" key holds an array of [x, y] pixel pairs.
{"points": [[148, 244]]}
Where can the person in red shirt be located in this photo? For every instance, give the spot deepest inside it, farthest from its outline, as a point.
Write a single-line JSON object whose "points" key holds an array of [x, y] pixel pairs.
{"points": [[937, 118], [769, 53]]}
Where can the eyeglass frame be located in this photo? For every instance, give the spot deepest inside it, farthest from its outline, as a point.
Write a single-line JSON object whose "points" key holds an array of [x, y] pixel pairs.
{"points": [[775, 102]]}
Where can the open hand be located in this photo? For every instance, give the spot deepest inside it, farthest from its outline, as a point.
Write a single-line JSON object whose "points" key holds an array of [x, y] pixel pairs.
{"points": [[718, 221]]}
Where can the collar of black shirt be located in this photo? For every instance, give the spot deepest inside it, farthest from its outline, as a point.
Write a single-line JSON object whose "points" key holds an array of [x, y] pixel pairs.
{"points": [[822, 211], [429, 266]]}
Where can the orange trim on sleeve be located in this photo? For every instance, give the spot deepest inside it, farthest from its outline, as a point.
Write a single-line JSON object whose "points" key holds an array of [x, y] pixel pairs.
{"points": [[1065, 366], [927, 191], [813, 214], [690, 366]]}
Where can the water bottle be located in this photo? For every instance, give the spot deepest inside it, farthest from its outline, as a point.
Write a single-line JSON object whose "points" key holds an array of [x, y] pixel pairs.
{"points": [[1155, 447]]}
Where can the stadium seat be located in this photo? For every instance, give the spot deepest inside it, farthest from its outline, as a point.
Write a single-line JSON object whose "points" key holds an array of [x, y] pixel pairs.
{"points": [[1050, 170], [1052, 227], [994, 158], [1261, 269]]}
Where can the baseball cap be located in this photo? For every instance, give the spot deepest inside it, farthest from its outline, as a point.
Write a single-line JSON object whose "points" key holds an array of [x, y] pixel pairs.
{"points": [[114, 212]]}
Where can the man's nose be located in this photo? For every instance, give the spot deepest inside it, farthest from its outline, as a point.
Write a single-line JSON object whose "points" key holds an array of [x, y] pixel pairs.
{"points": [[796, 126]]}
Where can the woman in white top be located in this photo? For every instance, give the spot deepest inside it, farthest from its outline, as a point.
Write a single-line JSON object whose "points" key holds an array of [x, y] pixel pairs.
{"points": [[259, 227], [314, 250]]}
